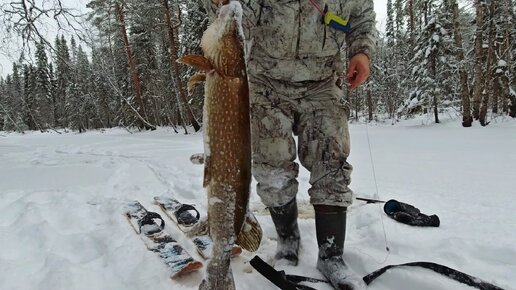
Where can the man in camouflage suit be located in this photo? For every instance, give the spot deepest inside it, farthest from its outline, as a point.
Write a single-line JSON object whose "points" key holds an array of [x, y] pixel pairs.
{"points": [[294, 68]]}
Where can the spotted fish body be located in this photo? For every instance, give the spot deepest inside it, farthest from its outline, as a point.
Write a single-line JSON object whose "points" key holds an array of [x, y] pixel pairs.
{"points": [[227, 138]]}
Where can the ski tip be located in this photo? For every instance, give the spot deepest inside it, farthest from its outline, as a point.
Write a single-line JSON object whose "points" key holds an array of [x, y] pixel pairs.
{"points": [[191, 267], [236, 250]]}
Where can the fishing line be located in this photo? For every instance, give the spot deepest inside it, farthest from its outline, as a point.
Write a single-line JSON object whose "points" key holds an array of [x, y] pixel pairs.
{"points": [[377, 195]]}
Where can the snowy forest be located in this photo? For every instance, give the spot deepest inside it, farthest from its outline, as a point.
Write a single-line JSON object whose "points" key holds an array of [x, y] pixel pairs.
{"points": [[435, 57]]}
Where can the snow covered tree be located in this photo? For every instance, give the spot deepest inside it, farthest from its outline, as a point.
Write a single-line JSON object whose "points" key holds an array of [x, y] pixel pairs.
{"points": [[144, 32], [410, 6], [194, 24], [101, 90], [85, 85], [133, 79], [43, 100], [73, 105], [185, 111], [112, 67], [63, 67], [467, 119], [479, 58], [52, 90], [432, 65], [120, 69], [139, 104], [390, 65], [13, 103], [29, 97], [400, 18], [3, 96], [507, 63], [6, 102], [389, 29]]}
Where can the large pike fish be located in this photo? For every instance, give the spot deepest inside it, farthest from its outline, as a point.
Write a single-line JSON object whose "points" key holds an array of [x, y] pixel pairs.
{"points": [[227, 139]]}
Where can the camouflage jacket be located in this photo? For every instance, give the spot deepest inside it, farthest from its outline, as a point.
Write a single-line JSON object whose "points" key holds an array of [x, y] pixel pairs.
{"points": [[287, 40]]}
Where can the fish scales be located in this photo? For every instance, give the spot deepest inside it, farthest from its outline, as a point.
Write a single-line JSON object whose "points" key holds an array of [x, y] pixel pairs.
{"points": [[227, 137]]}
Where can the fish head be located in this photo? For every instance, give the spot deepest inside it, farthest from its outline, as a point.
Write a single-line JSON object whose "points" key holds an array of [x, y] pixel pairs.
{"points": [[224, 37], [230, 17]]}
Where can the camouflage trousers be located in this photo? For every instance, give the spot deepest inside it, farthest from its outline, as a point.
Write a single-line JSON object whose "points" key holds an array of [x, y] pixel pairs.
{"points": [[315, 112]]}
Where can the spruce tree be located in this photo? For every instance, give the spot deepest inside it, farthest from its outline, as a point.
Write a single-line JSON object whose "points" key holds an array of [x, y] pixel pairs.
{"points": [[16, 106], [73, 106], [3, 95], [29, 97], [6, 105], [431, 66], [194, 25], [43, 99], [62, 75], [84, 85]]}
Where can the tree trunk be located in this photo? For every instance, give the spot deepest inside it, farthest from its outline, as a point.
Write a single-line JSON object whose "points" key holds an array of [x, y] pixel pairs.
{"points": [[507, 55], [436, 110], [412, 25], [479, 56], [498, 70], [497, 92], [488, 91], [184, 107], [132, 67], [467, 119], [435, 100]]}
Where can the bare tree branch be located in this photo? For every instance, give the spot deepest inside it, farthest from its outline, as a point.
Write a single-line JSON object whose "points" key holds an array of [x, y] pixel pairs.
{"points": [[32, 21]]}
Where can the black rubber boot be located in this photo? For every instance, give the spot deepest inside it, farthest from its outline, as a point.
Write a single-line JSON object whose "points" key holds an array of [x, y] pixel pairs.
{"points": [[285, 221], [330, 226]]}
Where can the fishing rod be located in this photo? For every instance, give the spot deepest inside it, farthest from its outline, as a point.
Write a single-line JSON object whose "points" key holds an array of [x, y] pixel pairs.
{"points": [[369, 200]]}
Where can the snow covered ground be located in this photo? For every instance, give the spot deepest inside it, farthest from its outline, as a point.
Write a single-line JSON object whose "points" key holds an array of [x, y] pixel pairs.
{"points": [[62, 198]]}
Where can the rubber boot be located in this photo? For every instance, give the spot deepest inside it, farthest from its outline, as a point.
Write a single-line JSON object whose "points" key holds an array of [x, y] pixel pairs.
{"points": [[285, 221], [330, 226]]}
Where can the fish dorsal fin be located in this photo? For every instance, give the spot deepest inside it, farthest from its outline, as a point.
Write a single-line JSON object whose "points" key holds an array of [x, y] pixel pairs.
{"points": [[197, 61], [195, 80]]}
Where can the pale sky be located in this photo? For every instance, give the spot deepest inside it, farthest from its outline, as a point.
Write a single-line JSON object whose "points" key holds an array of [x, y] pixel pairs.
{"points": [[380, 6], [9, 52]]}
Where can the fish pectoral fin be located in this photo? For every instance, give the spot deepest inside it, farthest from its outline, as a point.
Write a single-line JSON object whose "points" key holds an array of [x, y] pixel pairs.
{"points": [[195, 80], [207, 171], [197, 61]]}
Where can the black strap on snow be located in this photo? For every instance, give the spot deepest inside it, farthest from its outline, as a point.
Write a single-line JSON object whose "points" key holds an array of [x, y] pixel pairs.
{"points": [[291, 282], [443, 270], [148, 219], [184, 217], [299, 279], [280, 279]]}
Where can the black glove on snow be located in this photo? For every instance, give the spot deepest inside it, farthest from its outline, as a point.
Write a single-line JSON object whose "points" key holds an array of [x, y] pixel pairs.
{"points": [[410, 215]]}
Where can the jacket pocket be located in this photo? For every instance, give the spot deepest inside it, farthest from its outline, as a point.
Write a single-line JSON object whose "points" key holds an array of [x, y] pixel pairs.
{"points": [[276, 30], [314, 40]]}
